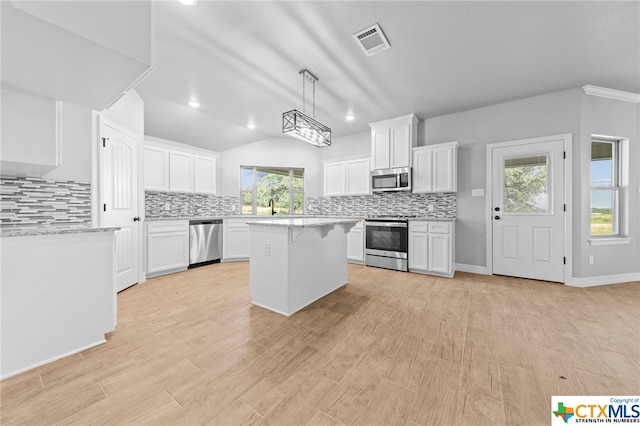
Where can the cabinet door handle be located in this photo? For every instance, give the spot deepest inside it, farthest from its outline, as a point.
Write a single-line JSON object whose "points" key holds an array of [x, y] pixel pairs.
{"points": [[136, 219], [497, 217]]}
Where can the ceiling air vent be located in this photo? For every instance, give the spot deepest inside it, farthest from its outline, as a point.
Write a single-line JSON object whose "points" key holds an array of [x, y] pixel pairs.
{"points": [[372, 40]]}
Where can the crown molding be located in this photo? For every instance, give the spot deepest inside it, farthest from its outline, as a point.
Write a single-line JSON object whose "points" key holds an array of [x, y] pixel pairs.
{"points": [[604, 92]]}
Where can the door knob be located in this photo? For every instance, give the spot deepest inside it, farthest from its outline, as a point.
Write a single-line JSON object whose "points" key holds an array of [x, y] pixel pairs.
{"points": [[497, 217], [136, 219]]}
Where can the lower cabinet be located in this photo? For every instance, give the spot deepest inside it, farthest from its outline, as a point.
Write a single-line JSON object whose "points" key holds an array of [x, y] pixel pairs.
{"points": [[166, 246], [355, 243], [431, 247], [235, 239]]}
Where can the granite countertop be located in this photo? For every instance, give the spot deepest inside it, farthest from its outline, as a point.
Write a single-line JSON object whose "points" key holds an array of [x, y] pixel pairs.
{"points": [[25, 231], [249, 217], [434, 219], [302, 222]]}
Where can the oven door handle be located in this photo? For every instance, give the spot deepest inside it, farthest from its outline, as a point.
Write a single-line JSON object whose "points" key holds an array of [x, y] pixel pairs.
{"points": [[386, 224]]}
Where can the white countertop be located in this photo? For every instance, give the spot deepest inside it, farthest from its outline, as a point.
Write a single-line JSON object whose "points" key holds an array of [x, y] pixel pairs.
{"points": [[27, 231], [302, 222]]}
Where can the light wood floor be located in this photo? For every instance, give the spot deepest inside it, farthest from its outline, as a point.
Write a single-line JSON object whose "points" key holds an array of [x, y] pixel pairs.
{"points": [[390, 348]]}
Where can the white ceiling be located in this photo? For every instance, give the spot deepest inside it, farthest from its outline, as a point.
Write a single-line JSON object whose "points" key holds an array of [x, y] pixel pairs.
{"points": [[241, 59]]}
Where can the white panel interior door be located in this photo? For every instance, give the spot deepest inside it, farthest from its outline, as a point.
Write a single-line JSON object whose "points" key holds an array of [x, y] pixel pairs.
{"points": [[119, 178], [528, 210]]}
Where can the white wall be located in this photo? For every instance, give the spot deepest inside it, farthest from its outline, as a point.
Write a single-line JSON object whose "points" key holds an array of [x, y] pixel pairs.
{"points": [[608, 117], [355, 145], [128, 112], [275, 152], [550, 114]]}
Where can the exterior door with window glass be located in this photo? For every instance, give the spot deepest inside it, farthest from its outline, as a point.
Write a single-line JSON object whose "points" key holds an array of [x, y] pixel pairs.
{"points": [[528, 210]]}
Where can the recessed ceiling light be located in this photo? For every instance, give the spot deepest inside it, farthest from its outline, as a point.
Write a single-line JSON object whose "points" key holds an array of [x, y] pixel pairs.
{"points": [[193, 104], [251, 126], [189, 2], [350, 117]]}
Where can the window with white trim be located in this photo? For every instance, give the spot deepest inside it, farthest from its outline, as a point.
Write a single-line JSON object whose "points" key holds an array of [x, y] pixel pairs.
{"points": [[605, 187], [271, 190]]}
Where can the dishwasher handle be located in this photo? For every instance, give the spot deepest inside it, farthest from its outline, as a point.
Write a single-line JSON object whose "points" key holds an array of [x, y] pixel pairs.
{"points": [[205, 222]]}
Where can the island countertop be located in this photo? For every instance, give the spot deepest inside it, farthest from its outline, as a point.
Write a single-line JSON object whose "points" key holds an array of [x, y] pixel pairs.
{"points": [[303, 222]]}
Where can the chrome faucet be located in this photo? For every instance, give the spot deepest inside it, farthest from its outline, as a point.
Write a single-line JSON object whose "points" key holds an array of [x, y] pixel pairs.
{"points": [[272, 204]]}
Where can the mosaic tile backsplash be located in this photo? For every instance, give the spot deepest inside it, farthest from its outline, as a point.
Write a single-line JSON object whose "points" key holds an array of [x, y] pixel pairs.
{"points": [[384, 204], [189, 205], [42, 202]]}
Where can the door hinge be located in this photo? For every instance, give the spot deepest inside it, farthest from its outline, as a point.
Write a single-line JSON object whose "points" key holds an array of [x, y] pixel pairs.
{"points": [[564, 260], [104, 207], [104, 142], [564, 154]]}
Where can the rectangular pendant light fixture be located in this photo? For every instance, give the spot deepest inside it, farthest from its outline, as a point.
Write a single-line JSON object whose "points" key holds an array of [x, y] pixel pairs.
{"points": [[301, 126], [305, 128]]}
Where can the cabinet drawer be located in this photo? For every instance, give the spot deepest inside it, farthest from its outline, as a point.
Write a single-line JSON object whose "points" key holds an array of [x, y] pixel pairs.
{"points": [[418, 226], [167, 226], [439, 227]]}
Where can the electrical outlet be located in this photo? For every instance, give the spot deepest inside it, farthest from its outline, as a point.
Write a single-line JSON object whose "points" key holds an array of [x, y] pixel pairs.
{"points": [[167, 206], [590, 259], [267, 249], [234, 207], [430, 207], [477, 192]]}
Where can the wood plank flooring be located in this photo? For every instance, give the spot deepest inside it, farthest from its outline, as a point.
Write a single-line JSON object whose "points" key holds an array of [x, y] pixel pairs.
{"points": [[390, 348]]}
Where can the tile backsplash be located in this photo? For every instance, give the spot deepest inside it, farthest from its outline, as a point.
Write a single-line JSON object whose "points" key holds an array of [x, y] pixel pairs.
{"points": [[41, 202], [188, 205], [384, 204]]}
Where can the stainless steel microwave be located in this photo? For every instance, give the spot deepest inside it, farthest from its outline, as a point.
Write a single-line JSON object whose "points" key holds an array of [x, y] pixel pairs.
{"points": [[391, 180]]}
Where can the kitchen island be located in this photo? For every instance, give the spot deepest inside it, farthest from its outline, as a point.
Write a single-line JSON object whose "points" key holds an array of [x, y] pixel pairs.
{"points": [[294, 262], [58, 293]]}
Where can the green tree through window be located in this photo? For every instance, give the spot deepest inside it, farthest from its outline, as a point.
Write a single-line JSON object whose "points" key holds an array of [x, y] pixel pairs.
{"points": [[262, 186]]}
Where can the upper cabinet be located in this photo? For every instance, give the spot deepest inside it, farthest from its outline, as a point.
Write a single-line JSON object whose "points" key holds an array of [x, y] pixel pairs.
{"points": [[348, 177], [180, 171], [435, 168], [156, 168], [83, 53], [171, 169], [392, 141], [204, 174]]}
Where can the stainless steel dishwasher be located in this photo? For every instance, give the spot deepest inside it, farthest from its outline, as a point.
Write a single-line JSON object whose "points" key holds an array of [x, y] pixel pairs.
{"points": [[205, 242]]}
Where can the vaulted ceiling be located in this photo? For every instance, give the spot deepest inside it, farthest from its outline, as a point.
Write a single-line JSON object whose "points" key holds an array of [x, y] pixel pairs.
{"points": [[241, 60]]}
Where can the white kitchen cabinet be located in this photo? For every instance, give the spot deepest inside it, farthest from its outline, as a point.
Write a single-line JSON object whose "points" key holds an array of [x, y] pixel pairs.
{"points": [[355, 243], [235, 239], [180, 172], [357, 177], [435, 168], [349, 177], [418, 249], [171, 169], [392, 141], [204, 174], [431, 247], [156, 168], [335, 178], [167, 246]]}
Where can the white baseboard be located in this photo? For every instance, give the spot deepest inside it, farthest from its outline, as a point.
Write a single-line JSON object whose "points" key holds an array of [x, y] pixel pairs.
{"points": [[47, 361], [603, 280], [473, 269]]}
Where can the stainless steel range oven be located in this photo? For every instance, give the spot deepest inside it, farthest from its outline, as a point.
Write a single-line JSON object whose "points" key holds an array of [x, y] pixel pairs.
{"points": [[387, 243]]}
